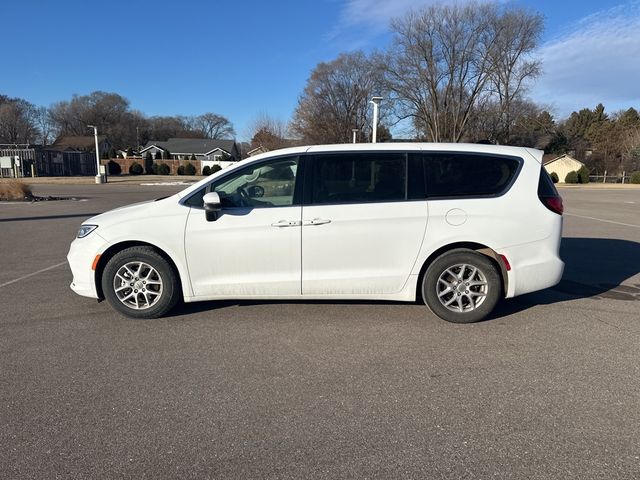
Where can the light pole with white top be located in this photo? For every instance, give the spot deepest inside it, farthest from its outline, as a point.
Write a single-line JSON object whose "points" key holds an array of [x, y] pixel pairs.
{"points": [[376, 106], [99, 178]]}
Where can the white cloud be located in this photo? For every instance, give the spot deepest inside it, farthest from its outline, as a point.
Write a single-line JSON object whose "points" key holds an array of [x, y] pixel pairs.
{"points": [[362, 20], [376, 13], [598, 60]]}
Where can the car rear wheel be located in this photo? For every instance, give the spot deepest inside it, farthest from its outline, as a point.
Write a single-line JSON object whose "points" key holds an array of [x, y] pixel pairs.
{"points": [[140, 283], [462, 286]]}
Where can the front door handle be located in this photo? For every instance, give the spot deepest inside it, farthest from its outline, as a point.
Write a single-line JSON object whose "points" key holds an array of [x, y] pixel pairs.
{"points": [[287, 223], [317, 221]]}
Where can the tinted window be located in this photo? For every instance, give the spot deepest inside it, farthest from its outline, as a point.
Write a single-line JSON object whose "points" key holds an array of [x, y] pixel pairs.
{"points": [[356, 178], [463, 174], [270, 184], [546, 188]]}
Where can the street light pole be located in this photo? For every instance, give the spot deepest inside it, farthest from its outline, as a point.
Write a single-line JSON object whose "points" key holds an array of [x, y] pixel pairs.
{"points": [[376, 106], [95, 135]]}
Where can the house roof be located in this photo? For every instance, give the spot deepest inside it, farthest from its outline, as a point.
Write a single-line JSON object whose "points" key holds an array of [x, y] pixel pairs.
{"points": [[258, 149], [196, 146], [547, 161], [83, 143]]}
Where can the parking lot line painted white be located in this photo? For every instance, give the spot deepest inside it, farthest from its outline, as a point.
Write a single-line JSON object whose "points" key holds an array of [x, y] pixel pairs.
{"points": [[603, 220], [32, 274]]}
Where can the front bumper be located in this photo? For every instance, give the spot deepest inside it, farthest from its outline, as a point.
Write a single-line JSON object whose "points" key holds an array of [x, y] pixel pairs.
{"points": [[82, 253]]}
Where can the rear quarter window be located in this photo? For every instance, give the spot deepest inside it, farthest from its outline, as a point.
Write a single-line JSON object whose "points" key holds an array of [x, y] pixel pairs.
{"points": [[469, 174], [546, 188]]}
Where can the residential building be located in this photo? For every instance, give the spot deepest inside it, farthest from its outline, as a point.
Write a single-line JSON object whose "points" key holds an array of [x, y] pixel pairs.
{"points": [[562, 165], [206, 151]]}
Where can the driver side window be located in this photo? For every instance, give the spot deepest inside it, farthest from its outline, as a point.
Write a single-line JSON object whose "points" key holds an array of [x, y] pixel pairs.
{"points": [[264, 185]]}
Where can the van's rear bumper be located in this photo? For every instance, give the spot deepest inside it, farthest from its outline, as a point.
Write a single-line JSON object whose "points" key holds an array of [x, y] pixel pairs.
{"points": [[534, 266]]}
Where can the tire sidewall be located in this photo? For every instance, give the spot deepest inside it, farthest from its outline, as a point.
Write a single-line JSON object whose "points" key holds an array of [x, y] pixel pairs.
{"points": [[169, 295], [455, 257]]}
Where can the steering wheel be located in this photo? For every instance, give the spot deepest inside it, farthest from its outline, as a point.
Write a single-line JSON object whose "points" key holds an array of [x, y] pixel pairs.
{"points": [[244, 197]]}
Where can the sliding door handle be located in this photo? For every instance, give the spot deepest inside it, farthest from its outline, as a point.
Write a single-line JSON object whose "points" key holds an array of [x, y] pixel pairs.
{"points": [[287, 223], [317, 221]]}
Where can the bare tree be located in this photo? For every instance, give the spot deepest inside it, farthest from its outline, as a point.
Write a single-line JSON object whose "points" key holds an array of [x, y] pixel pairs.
{"points": [[164, 127], [108, 111], [336, 99], [517, 32], [17, 121], [442, 61], [215, 126], [269, 132], [45, 125], [531, 125]]}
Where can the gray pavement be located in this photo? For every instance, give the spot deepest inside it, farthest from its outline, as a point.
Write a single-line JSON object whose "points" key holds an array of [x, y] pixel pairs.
{"points": [[547, 388]]}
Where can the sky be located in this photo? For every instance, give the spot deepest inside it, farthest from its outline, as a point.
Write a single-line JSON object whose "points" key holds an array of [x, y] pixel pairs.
{"points": [[250, 57]]}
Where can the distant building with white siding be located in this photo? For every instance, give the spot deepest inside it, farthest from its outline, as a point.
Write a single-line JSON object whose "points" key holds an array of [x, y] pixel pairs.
{"points": [[562, 165]]}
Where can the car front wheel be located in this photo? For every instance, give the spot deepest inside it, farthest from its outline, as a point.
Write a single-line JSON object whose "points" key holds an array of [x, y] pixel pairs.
{"points": [[462, 286], [140, 283]]}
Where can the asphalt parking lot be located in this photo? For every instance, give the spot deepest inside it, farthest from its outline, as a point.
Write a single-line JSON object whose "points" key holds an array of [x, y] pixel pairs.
{"points": [[547, 388]]}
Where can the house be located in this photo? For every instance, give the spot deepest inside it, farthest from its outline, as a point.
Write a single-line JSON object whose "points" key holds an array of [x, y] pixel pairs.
{"points": [[206, 151], [562, 165], [73, 155]]}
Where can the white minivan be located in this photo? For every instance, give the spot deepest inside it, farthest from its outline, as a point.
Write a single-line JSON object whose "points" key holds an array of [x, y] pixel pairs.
{"points": [[459, 226]]}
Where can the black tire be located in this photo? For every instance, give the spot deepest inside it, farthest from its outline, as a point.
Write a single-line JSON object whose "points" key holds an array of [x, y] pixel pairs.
{"points": [[163, 299], [440, 287]]}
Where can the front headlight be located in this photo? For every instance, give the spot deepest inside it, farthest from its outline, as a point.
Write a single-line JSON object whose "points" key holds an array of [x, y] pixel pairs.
{"points": [[85, 230]]}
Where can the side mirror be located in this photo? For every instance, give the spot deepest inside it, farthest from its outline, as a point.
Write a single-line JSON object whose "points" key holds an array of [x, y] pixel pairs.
{"points": [[212, 206]]}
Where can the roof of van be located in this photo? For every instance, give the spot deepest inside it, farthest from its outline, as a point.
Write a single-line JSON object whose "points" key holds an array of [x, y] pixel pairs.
{"points": [[415, 146]]}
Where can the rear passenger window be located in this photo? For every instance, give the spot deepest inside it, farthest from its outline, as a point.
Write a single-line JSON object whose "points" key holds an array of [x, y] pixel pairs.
{"points": [[468, 175], [357, 178]]}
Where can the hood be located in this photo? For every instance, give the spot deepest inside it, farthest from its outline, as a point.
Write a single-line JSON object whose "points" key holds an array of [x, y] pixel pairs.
{"points": [[130, 212]]}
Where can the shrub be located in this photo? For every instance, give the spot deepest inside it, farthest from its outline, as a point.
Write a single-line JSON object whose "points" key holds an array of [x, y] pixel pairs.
{"points": [[148, 163], [164, 169], [15, 190], [154, 169], [129, 152], [206, 170], [635, 177], [572, 177], [215, 168], [136, 169], [193, 156], [114, 168], [554, 177], [113, 153], [181, 170], [583, 175], [189, 169]]}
